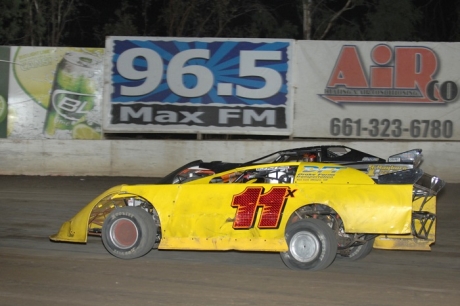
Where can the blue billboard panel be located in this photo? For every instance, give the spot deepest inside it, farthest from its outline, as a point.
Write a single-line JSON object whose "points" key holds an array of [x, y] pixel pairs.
{"points": [[152, 82]]}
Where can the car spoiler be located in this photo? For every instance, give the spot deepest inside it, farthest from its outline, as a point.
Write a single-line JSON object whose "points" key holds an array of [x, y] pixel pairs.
{"points": [[425, 185], [413, 156], [425, 188]]}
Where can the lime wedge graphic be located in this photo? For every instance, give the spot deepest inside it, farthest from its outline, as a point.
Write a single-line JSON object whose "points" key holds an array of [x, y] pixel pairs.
{"points": [[82, 131]]}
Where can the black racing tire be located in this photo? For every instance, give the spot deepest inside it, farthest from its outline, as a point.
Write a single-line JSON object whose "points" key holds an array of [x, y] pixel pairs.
{"points": [[356, 252], [129, 232], [312, 245]]}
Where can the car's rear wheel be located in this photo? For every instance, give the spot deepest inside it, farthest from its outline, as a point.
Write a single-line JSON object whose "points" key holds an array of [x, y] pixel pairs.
{"points": [[312, 245], [129, 232], [356, 252]]}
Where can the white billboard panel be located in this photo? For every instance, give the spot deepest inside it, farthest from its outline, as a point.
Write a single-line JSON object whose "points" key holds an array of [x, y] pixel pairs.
{"points": [[377, 90]]}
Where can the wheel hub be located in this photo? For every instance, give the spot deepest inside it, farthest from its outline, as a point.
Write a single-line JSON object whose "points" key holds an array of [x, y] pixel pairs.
{"points": [[304, 246], [123, 233]]}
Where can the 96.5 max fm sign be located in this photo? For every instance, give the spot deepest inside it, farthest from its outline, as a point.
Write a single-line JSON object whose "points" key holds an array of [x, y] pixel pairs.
{"points": [[198, 85]]}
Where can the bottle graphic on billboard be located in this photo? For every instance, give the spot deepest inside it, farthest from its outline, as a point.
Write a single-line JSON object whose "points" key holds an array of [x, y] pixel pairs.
{"points": [[74, 108]]}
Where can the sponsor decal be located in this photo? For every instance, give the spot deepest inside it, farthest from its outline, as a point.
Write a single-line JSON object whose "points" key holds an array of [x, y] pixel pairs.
{"points": [[376, 170], [318, 173], [322, 169]]}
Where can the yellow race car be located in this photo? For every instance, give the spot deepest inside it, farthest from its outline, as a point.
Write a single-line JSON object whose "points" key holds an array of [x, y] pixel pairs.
{"points": [[309, 212]]}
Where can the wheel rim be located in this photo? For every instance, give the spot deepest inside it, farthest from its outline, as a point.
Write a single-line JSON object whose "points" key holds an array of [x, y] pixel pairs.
{"points": [[123, 233], [304, 246]]}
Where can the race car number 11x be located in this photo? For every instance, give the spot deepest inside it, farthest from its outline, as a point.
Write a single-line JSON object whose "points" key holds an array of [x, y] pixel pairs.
{"points": [[251, 198]]}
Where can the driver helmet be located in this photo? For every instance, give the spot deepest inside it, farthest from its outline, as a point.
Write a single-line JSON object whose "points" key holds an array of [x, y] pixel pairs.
{"points": [[309, 157]]}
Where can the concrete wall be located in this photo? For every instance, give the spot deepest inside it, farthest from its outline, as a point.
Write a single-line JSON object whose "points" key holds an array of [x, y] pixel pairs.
{"points": [[155, 158]]}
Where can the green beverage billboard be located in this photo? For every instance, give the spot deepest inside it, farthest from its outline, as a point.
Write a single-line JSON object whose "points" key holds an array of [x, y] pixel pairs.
{"points": [[78, 78], [56, 93]]}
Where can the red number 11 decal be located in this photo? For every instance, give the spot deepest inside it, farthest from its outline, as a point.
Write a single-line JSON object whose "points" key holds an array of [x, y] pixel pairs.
{"points": [[251, 198]]}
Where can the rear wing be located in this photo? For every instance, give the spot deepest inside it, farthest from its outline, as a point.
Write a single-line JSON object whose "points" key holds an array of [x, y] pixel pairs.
{"points": [[413, 157], [408, 176], [429, 184], [426, 186], [423, 182]]}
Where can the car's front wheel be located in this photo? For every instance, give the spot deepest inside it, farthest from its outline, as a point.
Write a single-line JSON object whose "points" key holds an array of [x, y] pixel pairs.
{"points": [[129, 232], [312, 245]]}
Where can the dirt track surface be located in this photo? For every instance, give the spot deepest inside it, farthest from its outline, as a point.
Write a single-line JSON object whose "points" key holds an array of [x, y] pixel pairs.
{"points": [[36, 271]]}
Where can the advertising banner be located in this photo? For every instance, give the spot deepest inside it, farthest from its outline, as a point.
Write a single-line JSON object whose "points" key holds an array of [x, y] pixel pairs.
{"points": [[189, 85], [55, 93], [377, 90]]}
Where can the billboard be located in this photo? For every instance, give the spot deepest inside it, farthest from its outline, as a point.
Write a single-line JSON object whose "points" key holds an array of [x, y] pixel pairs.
{"points": [[305, 89], [377, 90], [55, 93], [207, 85]]}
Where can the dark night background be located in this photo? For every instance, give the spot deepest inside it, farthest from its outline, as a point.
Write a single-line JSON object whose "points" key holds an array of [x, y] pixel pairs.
{"points": [[90, 21]]}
